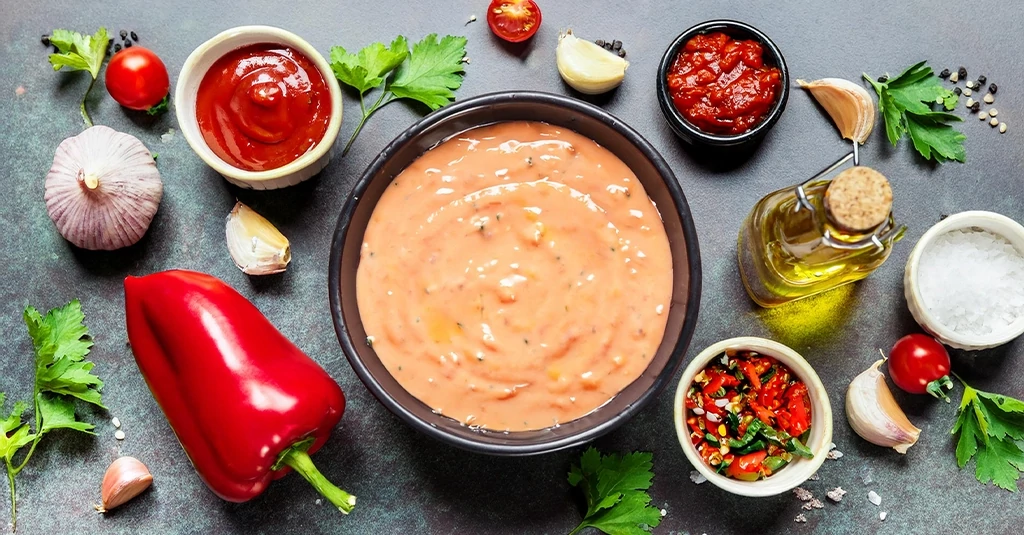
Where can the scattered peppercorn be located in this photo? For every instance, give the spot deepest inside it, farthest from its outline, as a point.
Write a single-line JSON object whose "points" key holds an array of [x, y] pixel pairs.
{"points": [[992, 88], [127, 44], [600, 43], [957, 90], [45, 40], [622, 52], [616, 45], [134, 37], [981, 80], [976, 106], [883, 79], [117, 48], [124, 34], [962, 72], [944, 74]]}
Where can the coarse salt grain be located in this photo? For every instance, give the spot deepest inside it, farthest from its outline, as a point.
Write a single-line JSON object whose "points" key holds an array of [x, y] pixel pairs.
{"points": [[813, 504], [800, 519], [803, 494], [116, 422], [874, 498], [697, 477], [836, 494], [972, 281], [882, 515]]}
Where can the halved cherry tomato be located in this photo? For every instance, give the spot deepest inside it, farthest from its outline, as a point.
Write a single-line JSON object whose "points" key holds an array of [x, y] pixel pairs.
{"points": [[137, 79], [513, 20], [746, 467]]}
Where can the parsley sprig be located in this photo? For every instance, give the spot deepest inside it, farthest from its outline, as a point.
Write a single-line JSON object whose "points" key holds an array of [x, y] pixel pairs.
{"points": [[907, 103], [61, 341], [991, 427], [77, 52], [616, 491], [429, 73]]}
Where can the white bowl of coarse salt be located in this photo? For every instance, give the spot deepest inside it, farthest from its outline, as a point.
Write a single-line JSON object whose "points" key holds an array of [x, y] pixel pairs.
{"points": [[964, 280]]}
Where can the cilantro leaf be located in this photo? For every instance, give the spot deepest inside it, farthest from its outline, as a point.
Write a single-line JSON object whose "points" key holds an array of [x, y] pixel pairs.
{"points": [[79, 52], [368, 69], [433, 71], [58, 412], [615, 490], [989, 426], [906, 104], [429, 73]]}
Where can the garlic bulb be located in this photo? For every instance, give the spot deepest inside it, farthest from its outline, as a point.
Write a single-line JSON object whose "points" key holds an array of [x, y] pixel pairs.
{"points": [[125, 479], [256, 246], [103, 189], [874, 414], [587, 67], [850, 106]]}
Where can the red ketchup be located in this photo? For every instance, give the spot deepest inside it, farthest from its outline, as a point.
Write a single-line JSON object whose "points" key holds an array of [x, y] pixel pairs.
{"points": [[721, 85], [263, 106]]}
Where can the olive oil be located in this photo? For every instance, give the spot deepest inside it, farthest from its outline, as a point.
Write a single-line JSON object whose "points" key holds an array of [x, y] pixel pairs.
{"points": [[792, 244]]}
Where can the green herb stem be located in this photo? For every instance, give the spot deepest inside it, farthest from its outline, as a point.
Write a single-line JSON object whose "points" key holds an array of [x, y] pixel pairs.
{"points": [[14, 502], [85, 113], [386, 97], [577, 529]]}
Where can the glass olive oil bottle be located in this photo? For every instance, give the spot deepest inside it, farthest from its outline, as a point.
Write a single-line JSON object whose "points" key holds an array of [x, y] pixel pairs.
{"points": [[834, 229]]}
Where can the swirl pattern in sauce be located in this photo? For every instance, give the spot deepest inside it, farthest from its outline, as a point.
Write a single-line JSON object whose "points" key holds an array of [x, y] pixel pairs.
{"points": [[515, 277]]}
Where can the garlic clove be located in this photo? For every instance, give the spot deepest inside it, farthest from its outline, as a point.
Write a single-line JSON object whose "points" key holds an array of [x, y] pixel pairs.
{"points": [[849, 104], [874, 415], [125, 479], [587, 67], [103, 189], [256, 246]]}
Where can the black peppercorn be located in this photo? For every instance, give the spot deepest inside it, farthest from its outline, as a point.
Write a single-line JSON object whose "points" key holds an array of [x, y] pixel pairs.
{"points": [[622, 52], [616, 45], [127, 44], [976, 106], [883, 79], [134, 37], [962, 73], [608, 46], [124, 34], [45, 40], [957, 90], [981, 80], [600, 43], [944, 74], [117, 48], [992, 88]]}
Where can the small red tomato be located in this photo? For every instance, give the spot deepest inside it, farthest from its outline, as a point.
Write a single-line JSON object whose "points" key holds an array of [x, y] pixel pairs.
{"points": [[513, 20], [919, 364], [137, 79]]}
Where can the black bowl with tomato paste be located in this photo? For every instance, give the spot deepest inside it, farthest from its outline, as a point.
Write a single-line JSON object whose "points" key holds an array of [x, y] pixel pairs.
{"points": [[722, 116]]}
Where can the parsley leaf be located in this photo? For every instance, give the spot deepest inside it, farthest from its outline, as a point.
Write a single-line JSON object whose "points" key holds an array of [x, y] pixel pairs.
{"points": [[615, 490], [990, 426], [433, 71], [429, 74], [78, 52], [61, 342], [907, 102]]}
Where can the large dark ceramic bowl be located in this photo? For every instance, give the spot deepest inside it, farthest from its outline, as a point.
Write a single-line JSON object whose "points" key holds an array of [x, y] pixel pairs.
{"points": [[590, 121]]}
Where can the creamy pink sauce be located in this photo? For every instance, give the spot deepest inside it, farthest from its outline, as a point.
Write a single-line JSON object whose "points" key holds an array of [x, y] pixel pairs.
{"points": [[515, 277]]}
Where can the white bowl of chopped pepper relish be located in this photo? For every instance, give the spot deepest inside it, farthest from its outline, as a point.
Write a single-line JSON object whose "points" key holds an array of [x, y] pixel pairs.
{"points": [[967, 287], [753, 417]]}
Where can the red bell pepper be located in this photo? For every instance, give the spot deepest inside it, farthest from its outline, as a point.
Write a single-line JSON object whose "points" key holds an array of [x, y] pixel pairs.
{"points": [[244, 402]]}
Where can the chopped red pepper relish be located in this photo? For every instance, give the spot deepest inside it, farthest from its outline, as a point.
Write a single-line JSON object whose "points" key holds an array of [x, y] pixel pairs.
{"points": [[722, 85], [748, 415]]}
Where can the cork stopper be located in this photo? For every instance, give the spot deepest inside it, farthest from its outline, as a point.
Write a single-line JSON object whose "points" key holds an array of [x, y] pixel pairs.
{"points": [[859, 199]]}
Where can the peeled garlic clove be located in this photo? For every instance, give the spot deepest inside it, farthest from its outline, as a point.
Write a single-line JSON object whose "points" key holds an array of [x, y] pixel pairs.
{"points": [[125, 479], [849, 104], [588, 68], [103, 189], [256, 246], [874, 414]]}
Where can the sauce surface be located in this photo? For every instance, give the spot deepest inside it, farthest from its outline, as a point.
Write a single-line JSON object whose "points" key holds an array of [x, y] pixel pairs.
{"points": [[515, 277], [722, 85], [263, 106]]}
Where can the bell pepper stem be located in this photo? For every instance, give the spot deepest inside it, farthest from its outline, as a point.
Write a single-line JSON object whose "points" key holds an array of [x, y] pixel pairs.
{"points": [[298, 459]]}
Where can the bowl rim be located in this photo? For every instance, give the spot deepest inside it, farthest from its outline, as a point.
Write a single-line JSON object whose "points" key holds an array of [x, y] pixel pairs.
{"points": [[971, 218], [798, 364], [689, 235], [257, 34], [690, 131]]}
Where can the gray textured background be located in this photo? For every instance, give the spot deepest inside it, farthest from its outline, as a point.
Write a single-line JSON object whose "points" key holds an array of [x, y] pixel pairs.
{"points": [[405, 482]]}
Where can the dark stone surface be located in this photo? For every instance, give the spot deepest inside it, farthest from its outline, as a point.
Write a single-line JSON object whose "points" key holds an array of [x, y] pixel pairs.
{"points": [[406, 483]]}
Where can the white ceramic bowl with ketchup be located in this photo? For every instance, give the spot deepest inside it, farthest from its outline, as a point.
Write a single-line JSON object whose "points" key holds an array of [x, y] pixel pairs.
{"points": [[187, 89], [820, 441]]}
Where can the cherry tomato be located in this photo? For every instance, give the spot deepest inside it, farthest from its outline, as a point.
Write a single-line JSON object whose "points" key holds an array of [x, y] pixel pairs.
{"points": [[513, 20], [746, 467], [919, 364], [137, 79]]}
